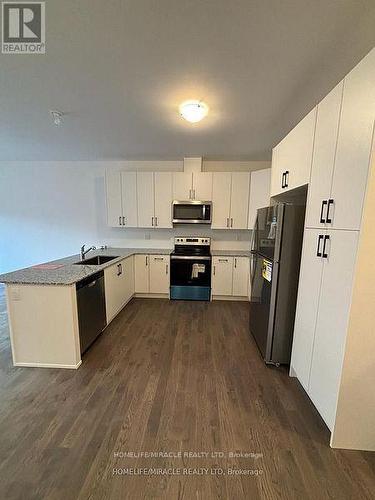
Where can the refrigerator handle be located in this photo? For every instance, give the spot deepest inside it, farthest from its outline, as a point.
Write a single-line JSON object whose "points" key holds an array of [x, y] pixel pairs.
{"points": [[252, 267]]}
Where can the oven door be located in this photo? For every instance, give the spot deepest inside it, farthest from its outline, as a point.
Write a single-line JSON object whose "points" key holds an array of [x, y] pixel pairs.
{"points": [[190, 277], [191, 212]]}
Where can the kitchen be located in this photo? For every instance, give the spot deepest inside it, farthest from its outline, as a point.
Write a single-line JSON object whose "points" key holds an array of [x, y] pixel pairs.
{"points": [[160, 304]]}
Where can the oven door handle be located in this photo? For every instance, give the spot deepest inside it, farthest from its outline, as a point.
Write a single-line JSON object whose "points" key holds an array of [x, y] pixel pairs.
{"points": [[189, 257]]}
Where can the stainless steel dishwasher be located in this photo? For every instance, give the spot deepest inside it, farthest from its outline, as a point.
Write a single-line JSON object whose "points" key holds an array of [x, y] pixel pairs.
{"points": [[91, 309]]}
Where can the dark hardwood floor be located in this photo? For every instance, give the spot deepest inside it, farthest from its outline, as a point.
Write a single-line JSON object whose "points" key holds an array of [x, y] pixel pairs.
{"points": [[172, 377]]}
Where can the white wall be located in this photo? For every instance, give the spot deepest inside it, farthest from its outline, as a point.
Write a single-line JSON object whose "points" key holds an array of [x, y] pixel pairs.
{"points": [[49, 209]]}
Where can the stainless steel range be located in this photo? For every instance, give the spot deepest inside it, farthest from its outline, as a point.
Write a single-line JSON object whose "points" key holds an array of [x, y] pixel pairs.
{"points": [[191, 268]]}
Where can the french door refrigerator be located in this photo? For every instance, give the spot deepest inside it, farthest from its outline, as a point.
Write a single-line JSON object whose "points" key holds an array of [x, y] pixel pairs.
{"points": [[274, 270]]}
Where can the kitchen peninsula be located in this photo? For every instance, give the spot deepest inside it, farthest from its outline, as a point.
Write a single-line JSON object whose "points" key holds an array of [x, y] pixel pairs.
{"points": [[43, 303]]}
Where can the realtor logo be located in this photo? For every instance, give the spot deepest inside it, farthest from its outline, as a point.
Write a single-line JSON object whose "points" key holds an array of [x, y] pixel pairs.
{"points": [[23, 28]]}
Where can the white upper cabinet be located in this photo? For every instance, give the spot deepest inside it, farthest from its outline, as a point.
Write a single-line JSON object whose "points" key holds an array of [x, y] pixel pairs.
{"points": [[230, 195], [259, 197], [221, 193], [121, 194], [277, 175], [241, 276], [192, 186], [354, 145], [239, 200], [129, 199], [202, 186], [327, 125], [291, 164], [182, 186], [163, 199], [113, 197], [145, 197], [154, 195]]}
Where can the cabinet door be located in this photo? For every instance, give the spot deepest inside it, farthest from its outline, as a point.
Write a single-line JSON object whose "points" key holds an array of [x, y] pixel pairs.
{"points": [[129, 198], [221, 190], [222, 275], [141, 274], [182, 186], [128, 277], [259, 196], [354, 145], [241, 278], [327, 125], [276, 173], [202, 186], [115, 290], [301, 151], [145, 196], [113, 197], [163, 199], [307, 305], [332, 321], [239, 200], [159, 273], [295, 152]]}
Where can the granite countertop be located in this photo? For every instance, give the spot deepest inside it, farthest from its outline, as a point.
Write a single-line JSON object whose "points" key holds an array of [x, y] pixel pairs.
{"points": [[65, 272], [229, 253]]}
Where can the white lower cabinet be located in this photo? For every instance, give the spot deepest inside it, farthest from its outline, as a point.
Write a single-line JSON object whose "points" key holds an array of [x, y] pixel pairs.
{"points": [[152, 274], [222, 275], [241, 276], [142, 278], [323, 307], [230, 276], [159, 273], [119, 286]]}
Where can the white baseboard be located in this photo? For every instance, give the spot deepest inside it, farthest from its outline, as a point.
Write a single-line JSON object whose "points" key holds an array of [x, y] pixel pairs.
{"points": [[48, 365]]}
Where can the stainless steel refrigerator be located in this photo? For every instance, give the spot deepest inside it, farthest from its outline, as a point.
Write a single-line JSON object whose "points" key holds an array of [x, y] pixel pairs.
{"points": [[275, 263]]}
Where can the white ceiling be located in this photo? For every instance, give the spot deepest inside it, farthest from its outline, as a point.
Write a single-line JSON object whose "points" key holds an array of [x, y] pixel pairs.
{"points": [[119, 69]]}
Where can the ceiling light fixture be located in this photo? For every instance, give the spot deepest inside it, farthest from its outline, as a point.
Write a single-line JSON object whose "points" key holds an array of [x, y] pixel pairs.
{"points": [[57, 117], [193, 111]]}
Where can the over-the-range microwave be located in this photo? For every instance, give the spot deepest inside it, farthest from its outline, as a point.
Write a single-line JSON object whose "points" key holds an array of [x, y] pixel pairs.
{"points": [[192, 212]]}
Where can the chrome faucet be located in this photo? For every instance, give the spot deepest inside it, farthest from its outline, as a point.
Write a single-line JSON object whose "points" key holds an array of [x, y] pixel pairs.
{"points": [[84, 252]]}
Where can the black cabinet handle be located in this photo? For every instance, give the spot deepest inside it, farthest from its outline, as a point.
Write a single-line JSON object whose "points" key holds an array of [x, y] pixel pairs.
{"points": [[283, 181], [330, 202], [286, 178], [326, 238], [318, 252], [324, 203]]}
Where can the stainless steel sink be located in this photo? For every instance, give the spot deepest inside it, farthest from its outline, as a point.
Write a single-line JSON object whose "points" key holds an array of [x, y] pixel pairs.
{"points": [[95, 261]]}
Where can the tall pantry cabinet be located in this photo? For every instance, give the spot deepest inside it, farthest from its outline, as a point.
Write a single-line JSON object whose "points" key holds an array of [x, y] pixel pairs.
{"points": [[341, 157]]}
